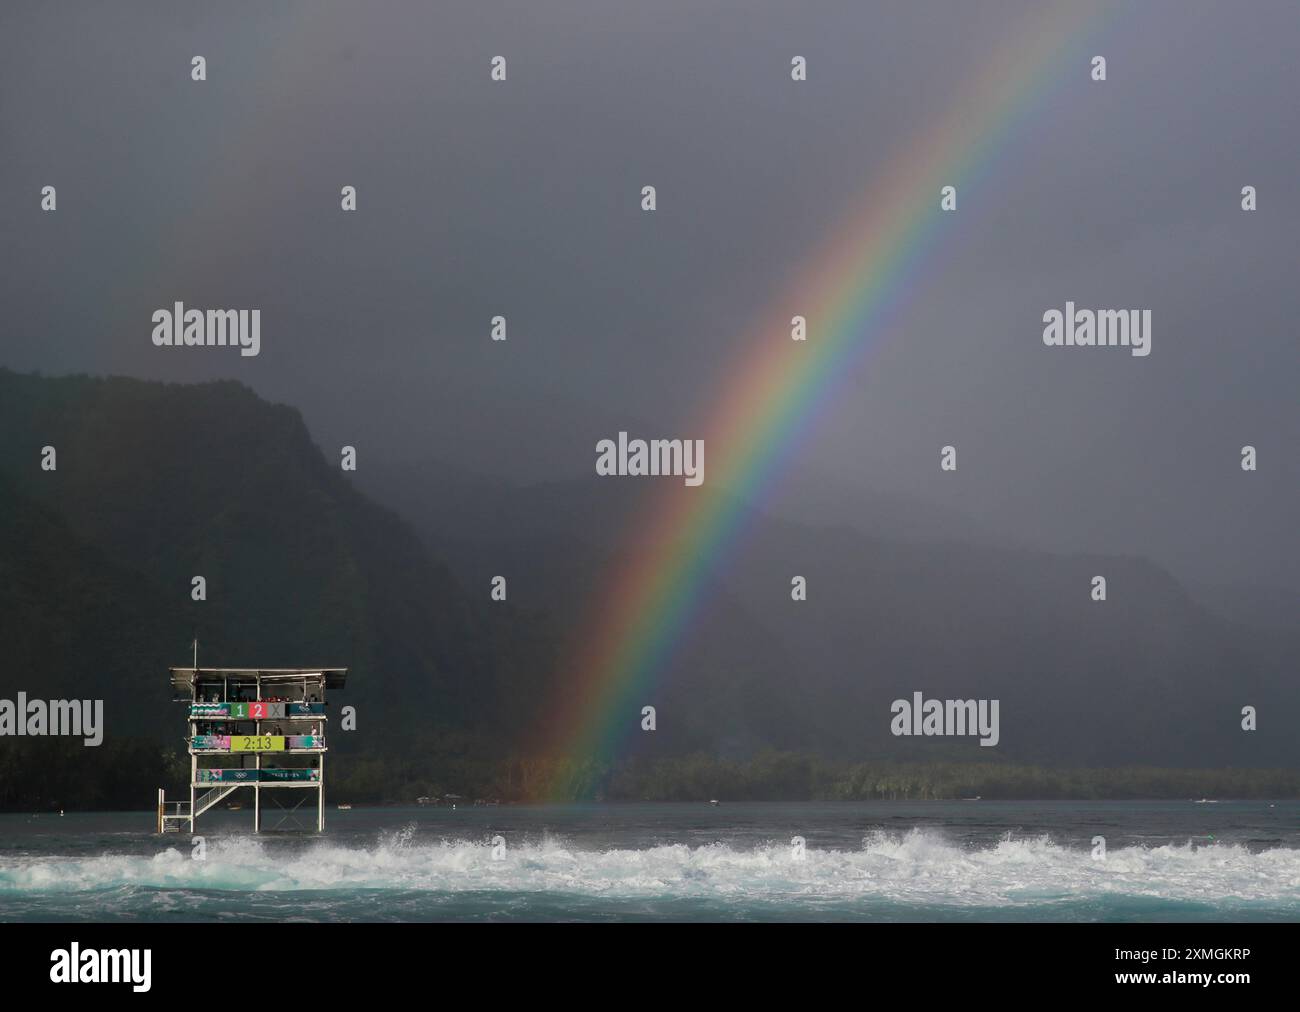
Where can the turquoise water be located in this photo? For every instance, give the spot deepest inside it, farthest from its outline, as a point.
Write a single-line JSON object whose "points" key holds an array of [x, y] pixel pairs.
{"points": [[893, 861]]}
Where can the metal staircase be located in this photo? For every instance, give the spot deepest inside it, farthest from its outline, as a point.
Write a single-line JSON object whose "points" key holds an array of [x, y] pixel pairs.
{"points": [[173, 816], [209, 798]]}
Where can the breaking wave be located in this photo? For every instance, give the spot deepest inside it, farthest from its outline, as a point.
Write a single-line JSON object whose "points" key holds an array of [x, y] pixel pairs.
{"points": [[916, 871]]}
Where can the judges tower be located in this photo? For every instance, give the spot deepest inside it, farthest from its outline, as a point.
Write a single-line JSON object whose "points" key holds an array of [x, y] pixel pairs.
{"points": [[260, 728]]}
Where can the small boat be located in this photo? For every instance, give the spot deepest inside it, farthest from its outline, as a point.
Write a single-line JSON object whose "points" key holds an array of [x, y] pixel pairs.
{"points": [[1206, 801], [713, 801], [235, 806], [345, 807]]}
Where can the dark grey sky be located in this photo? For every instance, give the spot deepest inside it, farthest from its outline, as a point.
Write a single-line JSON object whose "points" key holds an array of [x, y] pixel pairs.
{"points": [[478, 198]]}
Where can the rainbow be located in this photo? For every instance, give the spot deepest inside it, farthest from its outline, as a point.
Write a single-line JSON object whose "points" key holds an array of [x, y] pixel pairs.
{"points": [[848, 293]]}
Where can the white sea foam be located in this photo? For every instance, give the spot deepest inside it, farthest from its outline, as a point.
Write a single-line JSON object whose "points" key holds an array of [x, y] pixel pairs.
{"points": [[918, 867]]}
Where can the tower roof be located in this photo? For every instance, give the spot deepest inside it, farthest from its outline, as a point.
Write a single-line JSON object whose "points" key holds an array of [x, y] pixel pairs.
{"points": [[183, 679]]}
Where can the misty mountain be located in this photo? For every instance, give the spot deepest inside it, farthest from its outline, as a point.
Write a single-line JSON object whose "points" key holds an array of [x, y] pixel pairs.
{"points": [[900, 599], [157, 483]]}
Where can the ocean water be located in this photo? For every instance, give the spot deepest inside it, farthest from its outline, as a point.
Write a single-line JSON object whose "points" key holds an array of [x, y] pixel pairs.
{"points": [[874, 861]]}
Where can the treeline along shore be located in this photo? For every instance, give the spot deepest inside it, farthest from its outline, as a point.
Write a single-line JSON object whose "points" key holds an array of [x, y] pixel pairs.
{"points": [[40, 775]]}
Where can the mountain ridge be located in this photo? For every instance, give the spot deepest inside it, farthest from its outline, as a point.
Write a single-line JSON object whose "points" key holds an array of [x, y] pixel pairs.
{"points": [[157, 483]]}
